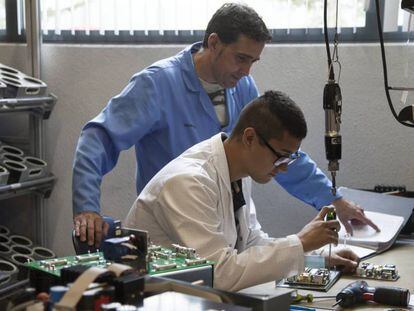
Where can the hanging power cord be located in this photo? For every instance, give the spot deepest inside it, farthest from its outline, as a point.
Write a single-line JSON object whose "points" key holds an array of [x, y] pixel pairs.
{"points": [[404, 94], [407, 110]]}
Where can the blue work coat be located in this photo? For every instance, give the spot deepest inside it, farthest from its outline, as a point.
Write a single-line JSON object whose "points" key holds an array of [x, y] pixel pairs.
{"points": [[163, 111]]}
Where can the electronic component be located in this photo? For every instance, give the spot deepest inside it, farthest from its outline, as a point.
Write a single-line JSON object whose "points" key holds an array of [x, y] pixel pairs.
{"points": [[312, 278], [88, 258], [177, 262], [129, 247], [129, 288], [164, 266], [53, 266], [385, 272], [162, 259], [186, 252]]}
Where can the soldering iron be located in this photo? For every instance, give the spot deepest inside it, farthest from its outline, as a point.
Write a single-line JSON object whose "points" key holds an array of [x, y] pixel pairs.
{"points": [[359, 291]]}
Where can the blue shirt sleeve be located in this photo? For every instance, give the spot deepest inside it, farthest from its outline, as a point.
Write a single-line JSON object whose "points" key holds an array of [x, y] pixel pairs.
{"points": [[307, 182], [127, 117]]}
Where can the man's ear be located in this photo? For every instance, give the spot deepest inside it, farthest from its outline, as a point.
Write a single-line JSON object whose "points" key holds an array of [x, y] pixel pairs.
{"points": [[249, 135], [213, 41]]}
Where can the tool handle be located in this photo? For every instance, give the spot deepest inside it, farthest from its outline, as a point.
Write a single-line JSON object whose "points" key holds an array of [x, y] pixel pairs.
{"points": [[394, 296]]}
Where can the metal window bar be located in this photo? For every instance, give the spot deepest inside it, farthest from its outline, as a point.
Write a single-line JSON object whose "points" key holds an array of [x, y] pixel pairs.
{"points": [[179, 21]]}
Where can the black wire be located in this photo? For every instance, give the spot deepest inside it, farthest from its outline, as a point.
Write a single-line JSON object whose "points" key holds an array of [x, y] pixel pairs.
{"points": [[384, 67], [325, 30]]}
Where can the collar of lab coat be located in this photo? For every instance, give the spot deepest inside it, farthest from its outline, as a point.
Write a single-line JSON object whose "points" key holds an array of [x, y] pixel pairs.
{"points": [[220, 159]]}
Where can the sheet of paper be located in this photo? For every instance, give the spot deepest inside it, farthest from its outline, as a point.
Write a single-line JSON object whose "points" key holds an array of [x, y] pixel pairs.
{"points": [[389, 225], [360, 251]]}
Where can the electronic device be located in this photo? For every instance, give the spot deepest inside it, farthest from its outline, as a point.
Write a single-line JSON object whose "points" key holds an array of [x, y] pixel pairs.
{"points": [[358, 292], [332, 104], [319, 279], [131, 247], [178, 262], [385, 272]]}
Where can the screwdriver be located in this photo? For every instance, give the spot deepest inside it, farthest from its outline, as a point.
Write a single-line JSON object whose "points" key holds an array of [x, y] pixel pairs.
{"points": [[308, 297], [331, 215]]}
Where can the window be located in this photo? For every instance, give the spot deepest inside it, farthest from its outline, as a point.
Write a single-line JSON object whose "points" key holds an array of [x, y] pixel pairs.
{"points": [[2, 16], [174, 15], [177, 21]]}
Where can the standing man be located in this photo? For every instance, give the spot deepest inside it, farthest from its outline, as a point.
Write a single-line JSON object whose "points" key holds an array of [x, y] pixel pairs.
{"points": [[202, 199], [178, 102]]}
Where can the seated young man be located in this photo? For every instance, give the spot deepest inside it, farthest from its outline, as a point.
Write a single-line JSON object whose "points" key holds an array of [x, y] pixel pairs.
{"points": [[202, 199]]}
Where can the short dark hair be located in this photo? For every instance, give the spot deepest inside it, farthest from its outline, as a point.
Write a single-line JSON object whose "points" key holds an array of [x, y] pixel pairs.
{"points": [[233, 19], [271, 114]]}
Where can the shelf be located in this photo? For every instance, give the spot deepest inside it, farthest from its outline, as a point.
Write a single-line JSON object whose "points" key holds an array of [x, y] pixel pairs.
{"points": [[41, 106], [41, 186]]}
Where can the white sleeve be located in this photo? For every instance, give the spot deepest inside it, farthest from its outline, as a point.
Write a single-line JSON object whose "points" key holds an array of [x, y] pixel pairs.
{"points": [[188, 211]]}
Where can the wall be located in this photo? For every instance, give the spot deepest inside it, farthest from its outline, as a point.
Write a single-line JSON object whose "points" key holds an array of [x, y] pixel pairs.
{"points": [[376, 149]]}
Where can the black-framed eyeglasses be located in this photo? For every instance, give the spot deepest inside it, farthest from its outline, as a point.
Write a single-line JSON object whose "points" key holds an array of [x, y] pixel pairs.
{"points": [[281, 158]]}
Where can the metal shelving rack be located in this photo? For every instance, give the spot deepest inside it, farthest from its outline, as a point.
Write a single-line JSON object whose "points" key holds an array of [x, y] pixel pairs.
{"points": [[38, 109], [39, 106]]}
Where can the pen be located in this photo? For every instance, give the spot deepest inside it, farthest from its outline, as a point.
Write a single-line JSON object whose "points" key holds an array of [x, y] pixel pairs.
{"points": [[301, 308]]}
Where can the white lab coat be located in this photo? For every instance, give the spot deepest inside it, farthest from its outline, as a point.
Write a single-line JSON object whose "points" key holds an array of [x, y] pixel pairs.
{"points": [[189, 202]]}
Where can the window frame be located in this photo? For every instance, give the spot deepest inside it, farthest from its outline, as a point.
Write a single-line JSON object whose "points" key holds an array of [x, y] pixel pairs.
{"points": [[369, 33]]}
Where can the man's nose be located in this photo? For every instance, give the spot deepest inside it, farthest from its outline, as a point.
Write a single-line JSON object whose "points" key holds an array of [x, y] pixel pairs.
{"points": [[245, 69]]}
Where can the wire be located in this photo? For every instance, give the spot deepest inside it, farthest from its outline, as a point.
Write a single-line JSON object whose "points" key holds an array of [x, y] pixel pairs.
{"points": [[335, 56], [384, 67], [331, 75]]}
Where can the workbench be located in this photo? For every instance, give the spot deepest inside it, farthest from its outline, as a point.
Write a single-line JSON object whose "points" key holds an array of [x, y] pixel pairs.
{"points": [[401, 254]]}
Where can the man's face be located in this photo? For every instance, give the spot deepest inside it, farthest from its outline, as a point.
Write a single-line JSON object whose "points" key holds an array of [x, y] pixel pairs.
{"points": [[262, 169], [231, 62]]}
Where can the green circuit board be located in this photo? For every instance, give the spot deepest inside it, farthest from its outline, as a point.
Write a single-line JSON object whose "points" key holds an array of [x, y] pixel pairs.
{"points": [[53, 266], [160, 260], [163, 259]]}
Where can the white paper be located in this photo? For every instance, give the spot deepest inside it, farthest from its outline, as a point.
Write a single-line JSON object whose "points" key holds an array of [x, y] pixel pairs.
{"points": [[389, 225], [362, 252]]}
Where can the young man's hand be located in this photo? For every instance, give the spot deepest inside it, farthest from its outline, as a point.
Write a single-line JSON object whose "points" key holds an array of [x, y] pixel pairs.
{"points": [[345, 259], [318, 232]]}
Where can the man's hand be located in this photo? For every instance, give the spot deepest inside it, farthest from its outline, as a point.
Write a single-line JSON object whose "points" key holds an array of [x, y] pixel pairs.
{"points": [[348, 211], [318, 232], [90, 225], [344, 258]]}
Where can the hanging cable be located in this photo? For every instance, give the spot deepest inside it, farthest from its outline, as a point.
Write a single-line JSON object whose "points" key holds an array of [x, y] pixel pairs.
{"points": [[385, 72]]}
